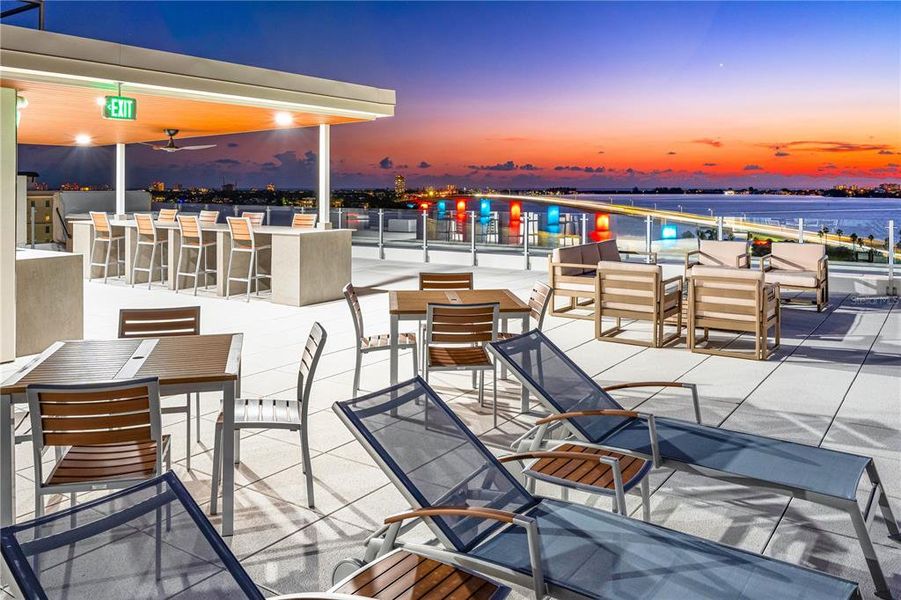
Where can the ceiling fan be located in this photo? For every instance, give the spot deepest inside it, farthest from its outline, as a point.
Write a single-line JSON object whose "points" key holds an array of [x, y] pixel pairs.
{"points": [[170, 145]]}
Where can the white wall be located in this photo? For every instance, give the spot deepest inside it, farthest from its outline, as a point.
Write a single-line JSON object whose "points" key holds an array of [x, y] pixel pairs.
{"points": [[8, 166]]}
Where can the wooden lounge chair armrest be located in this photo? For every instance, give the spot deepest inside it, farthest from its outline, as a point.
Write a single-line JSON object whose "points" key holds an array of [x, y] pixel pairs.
{"points": [[605, 412], [692, 253], [504, 516], [688, 258], [745, 258], [573, 266], [549, 454], [765, 262], [671, 384], [822, 267], [677, 279], [651, 255], [319, 596]]}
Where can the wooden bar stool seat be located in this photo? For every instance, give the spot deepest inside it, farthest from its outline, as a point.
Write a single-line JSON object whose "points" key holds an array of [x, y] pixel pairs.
{"points": [[105, 462], [455, 356]]}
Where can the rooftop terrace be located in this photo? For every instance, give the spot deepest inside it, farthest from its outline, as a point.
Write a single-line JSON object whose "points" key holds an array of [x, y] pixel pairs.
{"points": [[834, 382]]}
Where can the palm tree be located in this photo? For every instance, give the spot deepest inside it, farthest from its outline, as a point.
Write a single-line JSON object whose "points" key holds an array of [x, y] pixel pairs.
{"points": [[871, 237], [839, 233], [854, 239]]}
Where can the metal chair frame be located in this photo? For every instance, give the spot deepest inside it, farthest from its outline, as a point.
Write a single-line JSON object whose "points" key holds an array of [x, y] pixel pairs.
{"points": [[253, 263], [103, 233], [261, 413], [200, 245], [154, 242]]}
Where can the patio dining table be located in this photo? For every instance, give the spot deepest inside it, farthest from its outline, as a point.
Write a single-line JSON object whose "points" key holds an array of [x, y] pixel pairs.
{"points": [[412, 305], [184, 364]]}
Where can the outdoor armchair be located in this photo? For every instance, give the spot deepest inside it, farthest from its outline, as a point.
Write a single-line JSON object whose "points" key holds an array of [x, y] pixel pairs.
{"points": [[801, 267], [811, 473], [719, 253]]}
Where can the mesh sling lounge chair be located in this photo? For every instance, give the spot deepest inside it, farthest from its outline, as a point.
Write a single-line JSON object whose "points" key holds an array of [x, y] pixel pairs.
{"points": [[101, 550], [810, 473], [486, 521]]}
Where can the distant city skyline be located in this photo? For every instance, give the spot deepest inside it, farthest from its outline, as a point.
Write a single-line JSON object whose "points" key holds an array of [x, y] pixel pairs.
{"points": [[606, 95]]}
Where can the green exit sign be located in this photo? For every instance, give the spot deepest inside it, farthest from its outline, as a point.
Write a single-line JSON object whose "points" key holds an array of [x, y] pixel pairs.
{"points": [[120, 108]]}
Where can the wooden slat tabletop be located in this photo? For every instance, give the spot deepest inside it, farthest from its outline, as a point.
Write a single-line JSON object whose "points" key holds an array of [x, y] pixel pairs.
{"points": [[175, 360], [415, 302], [404, 576]]}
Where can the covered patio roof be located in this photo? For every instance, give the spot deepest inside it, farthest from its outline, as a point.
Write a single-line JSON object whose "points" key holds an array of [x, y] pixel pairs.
{"points": [[62, 77]]}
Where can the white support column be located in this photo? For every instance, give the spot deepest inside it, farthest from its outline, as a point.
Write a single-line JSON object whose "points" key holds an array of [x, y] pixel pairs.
{"points": [[325, 184], [8, 168], [120, 179]]}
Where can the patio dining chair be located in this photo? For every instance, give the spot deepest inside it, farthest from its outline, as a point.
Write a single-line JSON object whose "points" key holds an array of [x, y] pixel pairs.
{"points": [[373, 343], [192, 239], [103, 234], [244, 241], [456, 337], [107, 436], [100, 550], [148, 236], [256, 218], [445, 282], [484, 518], [589, 415], [272, 413], [209, 217], [166, 322], [304, 220]]}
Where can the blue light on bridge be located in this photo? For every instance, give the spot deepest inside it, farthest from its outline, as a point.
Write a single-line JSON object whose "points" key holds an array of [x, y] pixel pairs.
{"points": [[669, 232]]}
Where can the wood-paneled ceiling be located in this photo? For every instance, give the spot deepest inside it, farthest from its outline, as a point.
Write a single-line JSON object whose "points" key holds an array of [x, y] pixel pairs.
{"points": [[58, 112]]}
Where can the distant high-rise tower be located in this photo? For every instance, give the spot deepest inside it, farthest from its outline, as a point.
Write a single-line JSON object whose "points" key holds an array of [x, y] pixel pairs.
{"points": [[400, 186], [270, 187], [157, 186]]}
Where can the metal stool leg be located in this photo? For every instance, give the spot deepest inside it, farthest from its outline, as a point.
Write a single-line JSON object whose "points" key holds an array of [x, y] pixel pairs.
{"points": [[197, 268], [109, 247]]}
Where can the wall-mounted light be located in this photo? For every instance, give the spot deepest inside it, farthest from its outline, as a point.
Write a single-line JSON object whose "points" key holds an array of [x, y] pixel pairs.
{"points": [[283, 119], [83, 139]]}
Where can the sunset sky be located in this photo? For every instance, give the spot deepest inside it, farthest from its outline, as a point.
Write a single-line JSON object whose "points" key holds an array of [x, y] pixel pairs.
{"points": [[592, 95]]}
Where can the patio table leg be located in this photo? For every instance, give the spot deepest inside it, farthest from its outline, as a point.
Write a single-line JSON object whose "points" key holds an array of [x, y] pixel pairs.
{"points": [[228, 458], [7, 462], [393, 352]]}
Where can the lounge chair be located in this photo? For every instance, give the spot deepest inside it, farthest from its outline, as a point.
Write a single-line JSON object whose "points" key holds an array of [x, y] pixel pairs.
{"points": [[485, 520], [103, 549], [810, 473]]}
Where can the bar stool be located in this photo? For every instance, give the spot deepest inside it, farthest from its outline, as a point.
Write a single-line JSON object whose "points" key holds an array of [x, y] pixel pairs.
{"points": [[244, 240], [148, 236], [103, 233], [167, 215], [192, 239], [304, 220], [256, 218]]}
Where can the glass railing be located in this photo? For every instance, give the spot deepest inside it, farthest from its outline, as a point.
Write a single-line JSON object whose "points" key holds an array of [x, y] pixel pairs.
{"points": [[513, 230]]}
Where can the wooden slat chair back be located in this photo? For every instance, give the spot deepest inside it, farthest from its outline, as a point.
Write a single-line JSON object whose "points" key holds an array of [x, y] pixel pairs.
{"points": [[637, 292], [111, 432], [350, 294], [209, 217], [538, 302], [461, 324], [304, 220], [445, 281], [189, 227], [241, 230], [733, 300], [100, 220], [159, 322], [167, 215], [256, 218], [145, 227]]}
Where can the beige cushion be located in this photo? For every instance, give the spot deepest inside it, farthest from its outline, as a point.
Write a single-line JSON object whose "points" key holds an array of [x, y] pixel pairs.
{"points": [[590, 256], [569, 254], [721, 253], [806, 279], [608, 251], [796, 257], [725, 273]]}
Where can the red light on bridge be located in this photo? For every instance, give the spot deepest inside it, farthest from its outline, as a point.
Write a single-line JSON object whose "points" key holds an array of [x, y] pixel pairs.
{"points": [[602, 222], [461, 205], [424, 205], [515, 211]]}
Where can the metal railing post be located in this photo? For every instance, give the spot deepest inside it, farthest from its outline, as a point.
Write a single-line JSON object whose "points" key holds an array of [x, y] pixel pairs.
{"points": [[425, 236], [584, 228], [340, 215], [719, 228], [381, 234], [33, 216], [235, 209], [892, 290], [800, 230], [472, 242], [525, 242], [648, 226], [268, 215]]}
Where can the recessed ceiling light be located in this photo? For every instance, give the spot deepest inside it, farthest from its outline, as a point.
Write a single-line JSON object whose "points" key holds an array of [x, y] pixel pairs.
{"points": [[83, 139], [101, 100], [283, 118]]}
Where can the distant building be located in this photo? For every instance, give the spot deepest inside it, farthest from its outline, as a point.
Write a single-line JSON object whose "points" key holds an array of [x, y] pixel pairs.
{"points": [[400, 186], [157, 186], [451, 189], [70, 187], [270, 187], [228, 187]]}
